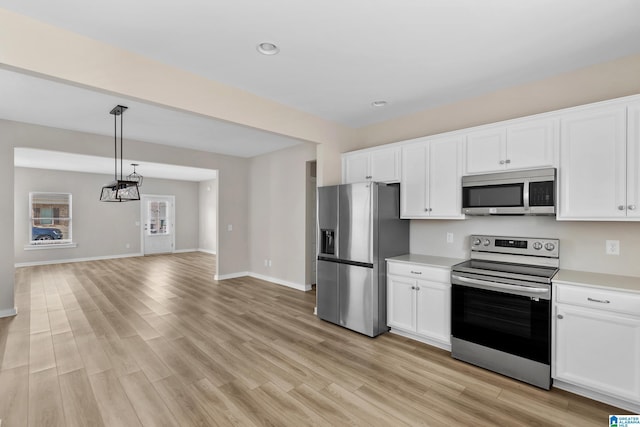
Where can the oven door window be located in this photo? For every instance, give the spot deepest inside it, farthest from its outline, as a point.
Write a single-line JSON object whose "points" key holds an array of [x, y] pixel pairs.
{"points": [[493, 196], [511, 323]]}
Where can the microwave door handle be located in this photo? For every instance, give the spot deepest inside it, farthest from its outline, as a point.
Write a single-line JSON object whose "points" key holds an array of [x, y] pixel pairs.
{"points": [[525, 195], [501, 286]]}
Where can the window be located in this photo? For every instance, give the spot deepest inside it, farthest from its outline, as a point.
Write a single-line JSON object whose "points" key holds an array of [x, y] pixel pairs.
{"points": [[158, 218], [50, 218]]}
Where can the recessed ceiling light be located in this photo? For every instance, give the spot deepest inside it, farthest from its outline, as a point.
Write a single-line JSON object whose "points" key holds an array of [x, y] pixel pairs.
{"points": [[378, 103], [267, 48]]}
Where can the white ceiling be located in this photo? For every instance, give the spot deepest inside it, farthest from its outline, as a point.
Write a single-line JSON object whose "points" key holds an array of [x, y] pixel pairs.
{"points": [[337, 56]]}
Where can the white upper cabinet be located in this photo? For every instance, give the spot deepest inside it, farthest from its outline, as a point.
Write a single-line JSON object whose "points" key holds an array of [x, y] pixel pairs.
{"points": [[599, 164], [431, 175], [379, 164], [527, 144]]}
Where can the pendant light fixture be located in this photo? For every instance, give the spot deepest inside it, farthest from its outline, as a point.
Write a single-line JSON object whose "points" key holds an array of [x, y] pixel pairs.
{"points": [[136, 177], [120, 190]]}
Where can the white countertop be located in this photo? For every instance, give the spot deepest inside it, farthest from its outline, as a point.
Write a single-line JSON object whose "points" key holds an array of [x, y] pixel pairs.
{"points": [[428, 260], [599, 280]]}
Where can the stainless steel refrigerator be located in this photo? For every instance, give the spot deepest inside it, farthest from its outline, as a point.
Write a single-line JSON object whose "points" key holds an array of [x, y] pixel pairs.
{"points": [[359, 226]]}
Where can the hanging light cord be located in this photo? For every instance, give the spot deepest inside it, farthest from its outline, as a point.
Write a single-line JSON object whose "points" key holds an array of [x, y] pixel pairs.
{"points": [[115, 148], [121, 151]]}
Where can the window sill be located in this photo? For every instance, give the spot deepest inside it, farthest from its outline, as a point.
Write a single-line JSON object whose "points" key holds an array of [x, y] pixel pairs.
{"points": [[50, 246]]}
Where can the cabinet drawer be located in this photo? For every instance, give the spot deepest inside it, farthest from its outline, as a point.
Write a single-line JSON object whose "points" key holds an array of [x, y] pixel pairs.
{"points": [[603, 299], [418, 271]]}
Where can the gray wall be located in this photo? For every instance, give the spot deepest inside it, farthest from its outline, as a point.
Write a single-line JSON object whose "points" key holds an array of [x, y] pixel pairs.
{"points": [[582, 244], [233, 188], [208, 238], [277, 213], [99, 229]]}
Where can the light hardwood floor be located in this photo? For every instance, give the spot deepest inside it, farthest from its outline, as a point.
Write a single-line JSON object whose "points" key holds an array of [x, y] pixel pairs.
{"points": [[156, 341]]}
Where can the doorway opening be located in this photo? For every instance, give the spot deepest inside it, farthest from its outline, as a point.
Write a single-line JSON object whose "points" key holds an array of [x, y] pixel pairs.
{"points": [[311, 233], [158, 219]]}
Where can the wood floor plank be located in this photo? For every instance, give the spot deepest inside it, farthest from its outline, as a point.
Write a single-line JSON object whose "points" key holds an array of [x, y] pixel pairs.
{"points": [[67, 355], [156, 341], [122, 361], [114, 405], [146, 359], [184, 407], [93, 356], [78, 400], [14, 396], [41, 354], [58, 322], [39, 321], [16, 351], [148, 405], [45, 401]]}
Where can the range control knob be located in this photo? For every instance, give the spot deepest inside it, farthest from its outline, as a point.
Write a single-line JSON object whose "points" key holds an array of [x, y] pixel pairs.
{"points": [[486, 242], [476, 242], [549, 246], [537, 246]]}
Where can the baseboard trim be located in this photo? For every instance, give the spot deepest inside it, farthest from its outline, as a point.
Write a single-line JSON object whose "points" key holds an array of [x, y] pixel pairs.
{"points": [[8, 312], [277, 281], [429, 341], [65, 261], [182, 251], [207, 251], [600, 397], [230, 275]]}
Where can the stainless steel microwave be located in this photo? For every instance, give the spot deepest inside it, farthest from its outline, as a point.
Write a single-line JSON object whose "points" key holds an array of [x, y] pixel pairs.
{"points": [[525, 192]]}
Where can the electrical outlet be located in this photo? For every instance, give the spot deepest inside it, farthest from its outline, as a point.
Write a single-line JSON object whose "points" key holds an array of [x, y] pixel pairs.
{"points": [[229, 227], [269, 263], [612, 247], [266, 263], [128, 245], [449, 237]]}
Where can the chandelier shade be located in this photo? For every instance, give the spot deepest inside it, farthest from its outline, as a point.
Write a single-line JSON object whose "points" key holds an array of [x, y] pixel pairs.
{"points": [[120, 189]]}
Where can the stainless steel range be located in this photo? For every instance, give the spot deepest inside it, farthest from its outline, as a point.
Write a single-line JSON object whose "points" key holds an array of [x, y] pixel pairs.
{"points": [[501, 306]]}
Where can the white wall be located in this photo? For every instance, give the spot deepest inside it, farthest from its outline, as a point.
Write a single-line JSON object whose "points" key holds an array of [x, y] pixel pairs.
{"points": [[208, 218], [277, 214], [582, 244]]}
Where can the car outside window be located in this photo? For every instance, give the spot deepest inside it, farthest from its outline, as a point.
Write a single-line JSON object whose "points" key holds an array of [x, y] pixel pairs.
{"points": [[50, 218]]}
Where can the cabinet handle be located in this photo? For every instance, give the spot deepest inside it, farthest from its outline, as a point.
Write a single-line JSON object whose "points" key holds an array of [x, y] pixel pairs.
{"points": [[620, 207], [601, 301], [430, 209], [502, 162], [416, 272], [631, 207], [417, 288], [413, 287], [560, 316], [507, 161], [368, 177]]}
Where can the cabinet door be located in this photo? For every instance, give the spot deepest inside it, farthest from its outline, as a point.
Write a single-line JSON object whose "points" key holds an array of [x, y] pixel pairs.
{"points": [[413, 185], [433, 310], [485, 151], [593, 164], [401, 303], [531, 144], [445, 177], [355, 168], [385, 165], [633, 160], [598, 350]]}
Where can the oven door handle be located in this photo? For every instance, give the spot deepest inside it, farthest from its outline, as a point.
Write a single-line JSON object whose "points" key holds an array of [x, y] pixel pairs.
{"points": [[502, 286]]}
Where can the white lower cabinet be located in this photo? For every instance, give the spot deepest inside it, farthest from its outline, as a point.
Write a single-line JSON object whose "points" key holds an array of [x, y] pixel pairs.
{"points": [[419, 303], [597, 342]]}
